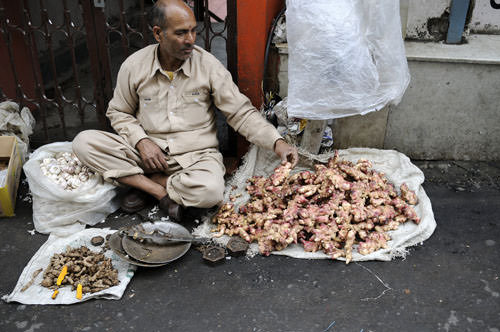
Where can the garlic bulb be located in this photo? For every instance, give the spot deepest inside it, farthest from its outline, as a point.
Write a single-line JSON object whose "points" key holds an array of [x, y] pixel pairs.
{"points": [[54, 169], [74, 182], [83, 177], [66, 170], [46, 161]]}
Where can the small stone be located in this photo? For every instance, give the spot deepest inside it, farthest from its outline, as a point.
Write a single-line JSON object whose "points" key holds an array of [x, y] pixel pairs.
{"points": [[21, 325], [490, 243], [97, 241], [443, 167]]}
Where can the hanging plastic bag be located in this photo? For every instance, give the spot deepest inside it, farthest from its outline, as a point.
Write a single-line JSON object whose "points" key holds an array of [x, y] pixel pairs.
{"points": [[66, 211], [346, 57]]}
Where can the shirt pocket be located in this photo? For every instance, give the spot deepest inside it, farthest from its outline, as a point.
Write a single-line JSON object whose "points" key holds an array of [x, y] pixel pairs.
{"points": [[149, 113], [196, 108]]}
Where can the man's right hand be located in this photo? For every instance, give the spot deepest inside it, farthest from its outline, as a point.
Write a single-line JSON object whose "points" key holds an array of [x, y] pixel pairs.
{"points": [[152, 156]]}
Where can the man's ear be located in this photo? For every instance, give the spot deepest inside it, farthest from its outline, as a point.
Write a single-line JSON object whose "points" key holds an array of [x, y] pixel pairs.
{"points": [[157, 32]]}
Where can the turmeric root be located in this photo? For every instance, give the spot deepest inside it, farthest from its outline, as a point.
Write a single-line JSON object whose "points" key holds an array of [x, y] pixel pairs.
{"points": [[80, 266]]}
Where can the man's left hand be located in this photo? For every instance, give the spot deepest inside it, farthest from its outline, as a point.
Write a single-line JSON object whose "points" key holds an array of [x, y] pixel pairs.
{"points": [[286, 152]]}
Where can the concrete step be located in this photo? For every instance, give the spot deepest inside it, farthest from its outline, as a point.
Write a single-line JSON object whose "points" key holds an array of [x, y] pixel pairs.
{"points": [[479, 49]]}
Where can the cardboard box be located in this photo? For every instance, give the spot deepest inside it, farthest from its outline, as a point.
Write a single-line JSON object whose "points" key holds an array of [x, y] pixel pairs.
{"points": [[10, 160]]}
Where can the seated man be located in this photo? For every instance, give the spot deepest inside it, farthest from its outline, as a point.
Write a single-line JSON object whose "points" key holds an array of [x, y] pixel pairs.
{"points": [[162, 110]]}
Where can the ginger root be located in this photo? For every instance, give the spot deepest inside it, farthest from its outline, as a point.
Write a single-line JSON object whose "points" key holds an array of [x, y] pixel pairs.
{"points": [[340, 207]]}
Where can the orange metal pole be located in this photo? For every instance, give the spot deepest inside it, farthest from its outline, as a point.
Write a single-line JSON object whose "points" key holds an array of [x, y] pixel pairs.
{"points": [[254, 19]]}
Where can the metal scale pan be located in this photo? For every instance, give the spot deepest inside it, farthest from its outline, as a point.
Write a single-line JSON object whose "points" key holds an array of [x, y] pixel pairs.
{"points": [[151, 244]]}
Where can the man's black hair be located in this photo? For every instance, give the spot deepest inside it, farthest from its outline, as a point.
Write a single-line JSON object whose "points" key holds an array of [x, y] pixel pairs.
{"points": [[157, 15]]}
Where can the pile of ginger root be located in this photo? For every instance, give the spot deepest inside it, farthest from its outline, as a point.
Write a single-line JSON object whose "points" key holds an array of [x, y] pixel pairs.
{"points": [[92, 270], [338, 205]]}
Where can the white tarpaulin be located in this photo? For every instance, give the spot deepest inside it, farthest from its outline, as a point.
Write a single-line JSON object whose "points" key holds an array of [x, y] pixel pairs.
{"points": [[397, 168], [36, 294], [346, 57]]}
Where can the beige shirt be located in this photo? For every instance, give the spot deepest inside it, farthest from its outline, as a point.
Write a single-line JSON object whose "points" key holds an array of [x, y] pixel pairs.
{"points": [[179, 114]]}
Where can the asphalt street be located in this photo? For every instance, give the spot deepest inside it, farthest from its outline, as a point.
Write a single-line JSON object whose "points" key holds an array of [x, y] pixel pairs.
{"points": [[448, 283]]}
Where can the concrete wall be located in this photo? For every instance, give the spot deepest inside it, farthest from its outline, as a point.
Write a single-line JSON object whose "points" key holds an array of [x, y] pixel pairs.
{"points": [[419, 13], [484, 18], [428, 19], [449, 111]]}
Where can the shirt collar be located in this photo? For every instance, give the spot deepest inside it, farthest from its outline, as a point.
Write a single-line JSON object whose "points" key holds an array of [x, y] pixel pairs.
{"points": [[185, 67]]}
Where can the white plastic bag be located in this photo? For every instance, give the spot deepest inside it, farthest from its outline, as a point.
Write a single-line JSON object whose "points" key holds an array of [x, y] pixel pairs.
{"points": [[346, 57], [19, 124], [58, 210]]}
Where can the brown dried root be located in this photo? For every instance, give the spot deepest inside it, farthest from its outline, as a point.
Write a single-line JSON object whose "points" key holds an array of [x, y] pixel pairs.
{"points": [[28, 285], [92, 270], [341, 207]]}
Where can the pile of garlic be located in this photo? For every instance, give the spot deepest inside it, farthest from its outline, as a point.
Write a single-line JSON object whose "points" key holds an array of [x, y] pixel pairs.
{"points": [[66, 170]]}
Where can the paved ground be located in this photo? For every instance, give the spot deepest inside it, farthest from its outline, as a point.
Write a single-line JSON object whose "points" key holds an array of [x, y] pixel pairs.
{"points": [[449, 283]]}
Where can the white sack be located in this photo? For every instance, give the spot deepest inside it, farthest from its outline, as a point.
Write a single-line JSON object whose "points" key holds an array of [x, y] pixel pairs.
{"points": [[346, 57], [66, 211], [36, 294], [19, 124], [397, 168]]}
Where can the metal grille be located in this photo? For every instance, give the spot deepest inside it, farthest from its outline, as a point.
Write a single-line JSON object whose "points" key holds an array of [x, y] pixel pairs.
{"points": [[40, 33], [74, 48]]}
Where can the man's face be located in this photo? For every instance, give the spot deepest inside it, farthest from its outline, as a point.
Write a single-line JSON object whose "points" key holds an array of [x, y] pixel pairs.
{"points": [[177, 39]]}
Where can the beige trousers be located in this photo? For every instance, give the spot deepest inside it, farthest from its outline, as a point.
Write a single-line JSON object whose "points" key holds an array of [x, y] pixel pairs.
{"points": [[198, 185]]}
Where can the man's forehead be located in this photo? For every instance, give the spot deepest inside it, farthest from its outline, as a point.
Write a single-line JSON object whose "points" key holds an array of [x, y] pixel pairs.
{"points": [[180, 17]]}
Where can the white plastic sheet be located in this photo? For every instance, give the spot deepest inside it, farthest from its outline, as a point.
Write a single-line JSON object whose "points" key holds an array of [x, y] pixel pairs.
{"points": [[346, 57], [65, 211], [36, 294]]}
